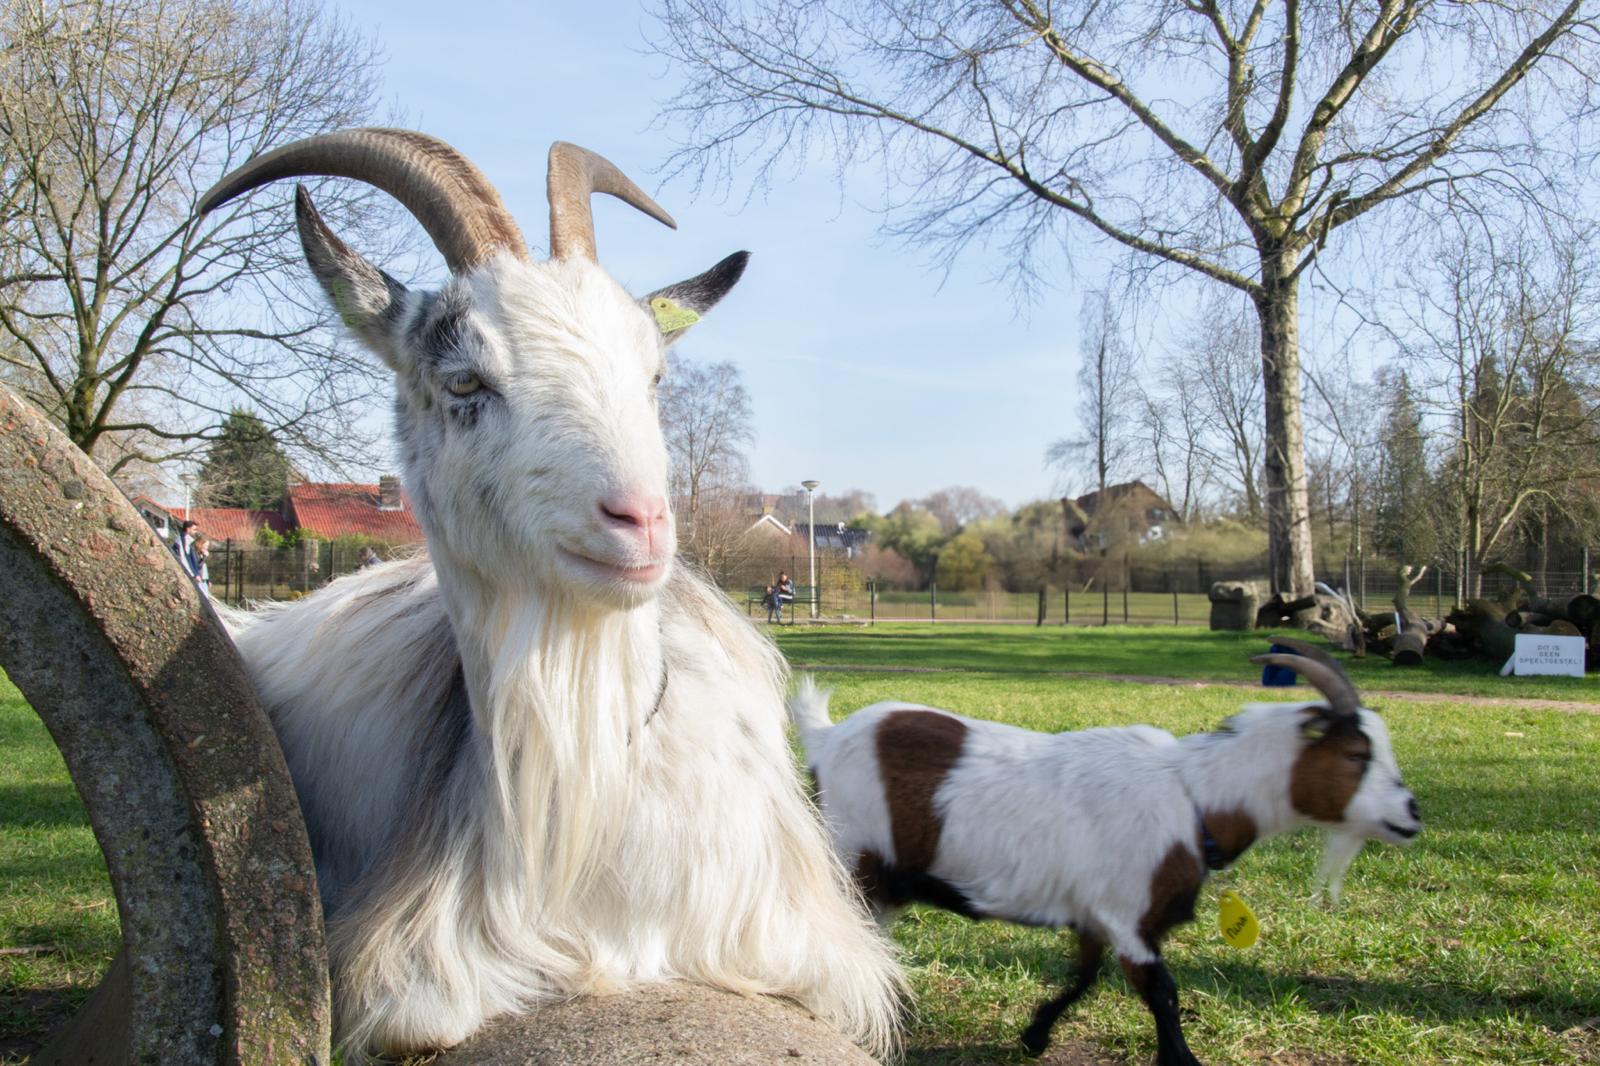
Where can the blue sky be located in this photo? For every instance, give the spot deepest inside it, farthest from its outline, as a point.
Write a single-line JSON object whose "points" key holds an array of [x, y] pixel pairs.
{"points": [[868, 367]]}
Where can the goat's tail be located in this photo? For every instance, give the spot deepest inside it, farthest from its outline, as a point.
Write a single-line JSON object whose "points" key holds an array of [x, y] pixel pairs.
{"points": [[808, 709]]}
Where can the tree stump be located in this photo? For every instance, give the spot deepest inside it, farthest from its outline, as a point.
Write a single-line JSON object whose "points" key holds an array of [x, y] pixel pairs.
{"points": [[674, 1023], [1234, 604]]}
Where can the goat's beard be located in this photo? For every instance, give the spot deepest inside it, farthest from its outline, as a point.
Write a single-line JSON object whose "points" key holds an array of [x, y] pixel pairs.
{"points": [[569, 688], [1339, 850]]}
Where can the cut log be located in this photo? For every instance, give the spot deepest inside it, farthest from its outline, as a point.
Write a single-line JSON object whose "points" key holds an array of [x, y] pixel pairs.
{"points": [[1407, 648], [1560, 627], [1278, 612], [1527, 616], [1584, 611], [1483, 622]]}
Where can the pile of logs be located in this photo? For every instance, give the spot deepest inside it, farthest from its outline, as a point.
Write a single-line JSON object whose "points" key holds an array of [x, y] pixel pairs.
{"points": [[1479, 627]]}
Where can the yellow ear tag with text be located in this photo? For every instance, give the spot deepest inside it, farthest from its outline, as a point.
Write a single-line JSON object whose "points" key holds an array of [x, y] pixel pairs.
{"points": [[672, 316], [1236, 921]]}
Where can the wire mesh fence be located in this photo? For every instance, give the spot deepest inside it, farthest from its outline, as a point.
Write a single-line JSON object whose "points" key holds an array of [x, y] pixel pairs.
{"points": [[1101, 591], [243, 572], [1090, 591]]}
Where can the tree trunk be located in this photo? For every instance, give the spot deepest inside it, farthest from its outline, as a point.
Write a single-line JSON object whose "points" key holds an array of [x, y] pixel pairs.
{"points": [[1284, 456]]}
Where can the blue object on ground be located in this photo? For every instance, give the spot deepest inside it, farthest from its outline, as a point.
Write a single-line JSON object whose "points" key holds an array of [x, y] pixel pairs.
{"points": [[1275, 676]]}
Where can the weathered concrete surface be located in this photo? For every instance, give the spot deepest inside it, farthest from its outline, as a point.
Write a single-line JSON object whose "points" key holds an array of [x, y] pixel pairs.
{"points": [[681, 1024], [183, 779]]}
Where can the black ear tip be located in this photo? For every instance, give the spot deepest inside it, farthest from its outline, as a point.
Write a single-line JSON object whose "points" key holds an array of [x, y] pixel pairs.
{"points": [[732, 268]]}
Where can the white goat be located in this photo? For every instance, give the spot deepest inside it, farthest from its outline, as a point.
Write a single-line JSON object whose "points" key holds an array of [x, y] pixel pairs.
{"points": [[542, 760], [1108, 831]]}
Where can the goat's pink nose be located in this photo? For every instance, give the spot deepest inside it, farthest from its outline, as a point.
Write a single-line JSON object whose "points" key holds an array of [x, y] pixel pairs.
{"points": [[637, 510]]}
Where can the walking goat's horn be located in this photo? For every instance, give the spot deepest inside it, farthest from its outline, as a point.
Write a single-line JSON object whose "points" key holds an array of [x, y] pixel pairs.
{"points": [[450, 197], [1321, 670], [576, 174]]}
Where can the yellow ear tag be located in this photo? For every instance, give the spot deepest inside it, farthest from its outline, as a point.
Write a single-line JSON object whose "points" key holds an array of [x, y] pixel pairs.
{"points": [[1236, 921], [671, 316]]}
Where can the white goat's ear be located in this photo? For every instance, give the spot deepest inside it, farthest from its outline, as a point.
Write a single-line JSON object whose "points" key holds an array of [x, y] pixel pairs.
{"points": [[679, 306], [367, 300]]}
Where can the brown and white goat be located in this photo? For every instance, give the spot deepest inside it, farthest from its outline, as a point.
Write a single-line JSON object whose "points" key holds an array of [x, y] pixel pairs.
{"points": [[1110, 832]]}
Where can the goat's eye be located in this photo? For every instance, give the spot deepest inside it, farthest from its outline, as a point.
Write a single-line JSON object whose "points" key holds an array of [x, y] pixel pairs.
{"points": [[655, 380], [463, 383]]}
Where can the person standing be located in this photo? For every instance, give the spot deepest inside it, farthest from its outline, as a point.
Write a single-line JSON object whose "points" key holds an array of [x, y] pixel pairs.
{"points": [[773, 606], [183, 546], [199, 556]]}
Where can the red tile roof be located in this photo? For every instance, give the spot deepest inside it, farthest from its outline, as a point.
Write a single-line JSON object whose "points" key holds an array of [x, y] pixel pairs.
{"points": [[333, 509], [231, 523]]}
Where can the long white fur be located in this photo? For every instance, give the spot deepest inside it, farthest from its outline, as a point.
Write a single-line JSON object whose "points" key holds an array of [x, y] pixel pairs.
{"points": [[557, 839], [1068, 828]]}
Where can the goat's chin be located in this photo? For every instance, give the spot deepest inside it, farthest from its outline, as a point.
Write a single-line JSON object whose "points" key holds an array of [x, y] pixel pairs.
{"points": [[611, 584]]}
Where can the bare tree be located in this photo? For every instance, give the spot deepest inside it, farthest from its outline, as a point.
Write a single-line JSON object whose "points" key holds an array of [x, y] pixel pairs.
{"points": [[135, 325], [1506, 347], [958, 505], [1173, 432], [707, 420], [1107, 391], [1229, 138], [1222, 376]]}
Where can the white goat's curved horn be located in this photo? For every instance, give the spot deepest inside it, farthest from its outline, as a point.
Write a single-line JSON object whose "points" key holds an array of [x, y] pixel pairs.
{"points": [[452, 199], [1327, 679], [576, 174]]}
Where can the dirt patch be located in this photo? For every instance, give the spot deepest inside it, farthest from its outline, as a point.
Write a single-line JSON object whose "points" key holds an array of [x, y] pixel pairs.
{"points": [[31, 1016]]}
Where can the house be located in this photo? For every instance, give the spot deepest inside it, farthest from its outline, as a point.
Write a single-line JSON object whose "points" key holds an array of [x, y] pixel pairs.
{"points": [[328, 510], [1131, 511], [834, 537], [319, 510], [219, 524]]}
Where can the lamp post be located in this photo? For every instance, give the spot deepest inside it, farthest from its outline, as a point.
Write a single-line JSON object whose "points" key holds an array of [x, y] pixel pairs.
{"points": [[188, 480], [811, 535]]}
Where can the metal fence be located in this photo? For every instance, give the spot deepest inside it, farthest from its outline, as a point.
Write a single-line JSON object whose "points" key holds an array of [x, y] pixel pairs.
{"points": [[1100, 591], [1094, 591], [243, 572]]}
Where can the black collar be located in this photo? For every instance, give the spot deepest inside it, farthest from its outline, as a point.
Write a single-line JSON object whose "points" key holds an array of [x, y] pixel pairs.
{"points": [[1209, 847]]}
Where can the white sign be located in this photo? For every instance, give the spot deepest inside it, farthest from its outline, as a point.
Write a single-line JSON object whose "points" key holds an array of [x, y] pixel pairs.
{"points": [[1539, 654]]}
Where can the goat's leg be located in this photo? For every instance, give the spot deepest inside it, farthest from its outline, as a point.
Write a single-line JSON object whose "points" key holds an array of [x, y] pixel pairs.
{"points": [[1154, 983], [1036, 1037]]}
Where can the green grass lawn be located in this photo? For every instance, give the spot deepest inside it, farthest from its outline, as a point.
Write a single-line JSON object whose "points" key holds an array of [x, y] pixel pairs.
{"points": [[58, 923], [1160, 651], [1480, 943]]}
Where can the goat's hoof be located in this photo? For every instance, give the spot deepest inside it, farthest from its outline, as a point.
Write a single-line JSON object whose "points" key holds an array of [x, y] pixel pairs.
{"points": [[1034, 1043]]}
